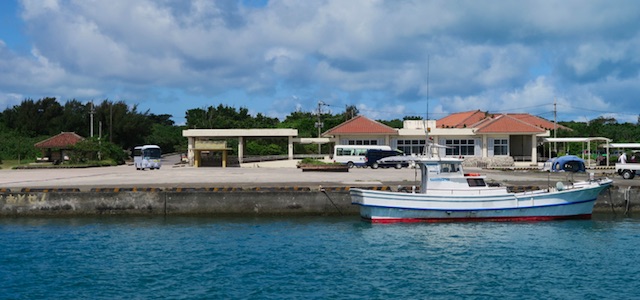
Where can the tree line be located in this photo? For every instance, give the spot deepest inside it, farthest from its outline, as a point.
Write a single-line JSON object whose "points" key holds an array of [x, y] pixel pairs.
{"points": [[117, 125]]}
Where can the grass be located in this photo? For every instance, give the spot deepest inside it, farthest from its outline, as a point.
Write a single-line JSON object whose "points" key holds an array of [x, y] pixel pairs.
{"points": [[11, 163], [8, 164]]}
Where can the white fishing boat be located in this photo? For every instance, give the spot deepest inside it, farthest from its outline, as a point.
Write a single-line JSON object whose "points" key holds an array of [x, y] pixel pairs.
{"points": [[446, 193]]}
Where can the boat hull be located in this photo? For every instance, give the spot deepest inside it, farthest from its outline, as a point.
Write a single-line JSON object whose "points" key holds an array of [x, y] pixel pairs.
{"points": [[390, 207]]}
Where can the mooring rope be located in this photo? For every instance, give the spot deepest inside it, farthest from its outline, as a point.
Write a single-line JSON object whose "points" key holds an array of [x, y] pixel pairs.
{"points": [[627, 198], [330, 200]]}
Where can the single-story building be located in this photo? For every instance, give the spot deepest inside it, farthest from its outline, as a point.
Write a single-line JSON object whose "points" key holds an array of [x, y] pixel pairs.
{"points": [[467, 134], [57, 148]]}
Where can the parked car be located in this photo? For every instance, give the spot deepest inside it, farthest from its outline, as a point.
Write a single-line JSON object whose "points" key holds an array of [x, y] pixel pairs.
{"points": [[372, 159]]}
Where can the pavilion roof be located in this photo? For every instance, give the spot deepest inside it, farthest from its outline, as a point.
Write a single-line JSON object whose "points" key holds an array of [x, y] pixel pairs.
{"points": [[62, 141]]}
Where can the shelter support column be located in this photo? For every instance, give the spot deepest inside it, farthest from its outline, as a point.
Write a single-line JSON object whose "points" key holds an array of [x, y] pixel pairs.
{"points": [[190, 153], [534, 149], [197, 159], [240, 149], [224, 158], [290, 148]]}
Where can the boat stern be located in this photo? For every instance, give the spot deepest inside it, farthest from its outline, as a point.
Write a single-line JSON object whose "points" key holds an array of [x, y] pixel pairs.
{"points": [[357, 197]]}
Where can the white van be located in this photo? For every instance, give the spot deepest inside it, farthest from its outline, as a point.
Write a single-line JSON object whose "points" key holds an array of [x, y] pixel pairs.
{"points": [[354, 155], [147, 156]]}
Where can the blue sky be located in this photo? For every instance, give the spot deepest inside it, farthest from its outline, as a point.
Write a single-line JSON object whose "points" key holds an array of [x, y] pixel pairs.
{"points": [[388, 58]]}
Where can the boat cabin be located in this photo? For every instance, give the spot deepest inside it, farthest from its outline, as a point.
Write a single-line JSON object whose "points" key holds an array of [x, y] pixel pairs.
{"points": [[447, 174]]}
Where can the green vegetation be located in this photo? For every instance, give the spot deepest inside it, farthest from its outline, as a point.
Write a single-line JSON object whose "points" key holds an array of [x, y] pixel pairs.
{"points": [[119, 127], [599, 127], [87, 164], [12, 163], [313, 161]]}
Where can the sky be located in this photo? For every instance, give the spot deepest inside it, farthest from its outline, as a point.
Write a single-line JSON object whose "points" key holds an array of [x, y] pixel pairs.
{"points": [[390, 59]]}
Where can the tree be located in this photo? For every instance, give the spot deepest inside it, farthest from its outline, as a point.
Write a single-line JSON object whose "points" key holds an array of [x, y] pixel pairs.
{"points": [[94, 149], [303, 121], [75, 117], [164, 119], [34, 118], [124, 126], [169, 138], [198, 118], [262, 121], [351, 112]]}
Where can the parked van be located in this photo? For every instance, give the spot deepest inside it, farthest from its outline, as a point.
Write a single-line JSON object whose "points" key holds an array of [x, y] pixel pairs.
{"points": [[353, 155], [147, 156], [373, 156]]}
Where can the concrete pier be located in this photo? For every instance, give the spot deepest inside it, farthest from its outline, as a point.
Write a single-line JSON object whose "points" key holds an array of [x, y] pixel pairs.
{"points": [[256, 191]]}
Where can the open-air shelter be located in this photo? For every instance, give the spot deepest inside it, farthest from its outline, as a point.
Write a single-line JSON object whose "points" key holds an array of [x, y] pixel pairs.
{"points": [[633, 146], [584, 140], [201, 140]]}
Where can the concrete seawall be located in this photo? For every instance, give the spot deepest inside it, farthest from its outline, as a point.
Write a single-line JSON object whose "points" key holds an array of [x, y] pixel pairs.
{"points": [[215, 201], [252, 201]]}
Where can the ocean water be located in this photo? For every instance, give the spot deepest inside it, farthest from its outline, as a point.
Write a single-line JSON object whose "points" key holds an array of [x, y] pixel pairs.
{"points": [[316, 258]]}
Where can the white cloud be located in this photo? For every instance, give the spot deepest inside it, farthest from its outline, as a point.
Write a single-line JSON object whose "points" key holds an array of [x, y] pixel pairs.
{"points": [[481, 54]]}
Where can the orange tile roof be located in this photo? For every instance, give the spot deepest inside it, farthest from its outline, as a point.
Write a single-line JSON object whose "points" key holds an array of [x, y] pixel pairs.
{"points": [[361, 125], [537, 121], [484, 122], [461, 119], [63, 141], [506, 124]]}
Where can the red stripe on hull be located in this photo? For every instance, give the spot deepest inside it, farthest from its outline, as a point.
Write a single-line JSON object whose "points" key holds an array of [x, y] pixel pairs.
{"points": [[490, 219]]}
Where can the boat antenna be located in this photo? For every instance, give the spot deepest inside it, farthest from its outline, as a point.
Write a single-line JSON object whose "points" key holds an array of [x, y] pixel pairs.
{"points": [[427, 148]]}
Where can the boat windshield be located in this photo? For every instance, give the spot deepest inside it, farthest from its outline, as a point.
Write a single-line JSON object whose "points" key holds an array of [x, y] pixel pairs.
{"points": [[449, 168]]}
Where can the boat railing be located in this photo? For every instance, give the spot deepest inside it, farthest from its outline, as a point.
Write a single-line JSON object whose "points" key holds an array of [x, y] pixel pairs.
{"points": [[461, 192]]}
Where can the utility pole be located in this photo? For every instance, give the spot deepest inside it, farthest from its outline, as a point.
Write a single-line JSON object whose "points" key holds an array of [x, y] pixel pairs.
{"points": [[319, 124], [99, 140], [111, 122], [91, 112]]}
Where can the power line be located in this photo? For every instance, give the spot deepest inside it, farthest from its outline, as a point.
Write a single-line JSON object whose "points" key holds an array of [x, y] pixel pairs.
{"points": [[599, 111], [523, 108], [420, 114]]}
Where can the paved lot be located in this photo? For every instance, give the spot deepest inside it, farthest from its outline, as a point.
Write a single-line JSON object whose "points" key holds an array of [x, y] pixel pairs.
{"points": [[182, 176]]}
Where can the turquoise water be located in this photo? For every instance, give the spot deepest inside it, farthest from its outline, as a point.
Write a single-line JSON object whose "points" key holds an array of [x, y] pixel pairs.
{"points": [[316, 258]]}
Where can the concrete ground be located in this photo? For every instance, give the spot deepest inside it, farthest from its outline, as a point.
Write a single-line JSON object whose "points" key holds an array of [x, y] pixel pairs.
{"points": [[278, 174]]}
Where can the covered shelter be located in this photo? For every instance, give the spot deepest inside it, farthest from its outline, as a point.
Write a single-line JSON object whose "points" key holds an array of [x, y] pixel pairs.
{"points": [[632, 146], [201, 140], [584, 140], [56, 148], [624, 145]]}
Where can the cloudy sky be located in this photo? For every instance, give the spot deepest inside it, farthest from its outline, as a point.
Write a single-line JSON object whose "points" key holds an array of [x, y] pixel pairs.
{"points": [[388, 58]]}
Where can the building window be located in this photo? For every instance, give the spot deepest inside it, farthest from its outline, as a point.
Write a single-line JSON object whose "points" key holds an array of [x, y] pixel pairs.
{"points": [[500, 147], [363, 142], [460, 147], [411, 146]]}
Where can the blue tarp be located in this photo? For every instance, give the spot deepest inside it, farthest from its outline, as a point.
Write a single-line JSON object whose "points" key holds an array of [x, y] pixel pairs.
{"points": [[567, 163]]}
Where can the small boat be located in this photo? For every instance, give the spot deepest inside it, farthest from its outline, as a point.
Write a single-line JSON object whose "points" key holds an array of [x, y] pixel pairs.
{"points": [[448, 194]]}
